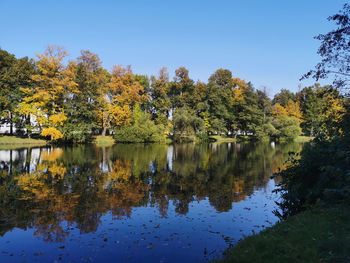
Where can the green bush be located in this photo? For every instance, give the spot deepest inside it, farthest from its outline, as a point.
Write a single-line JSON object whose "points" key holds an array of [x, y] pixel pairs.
{"points": [[77, 132], [287, 128], [142, 130]]}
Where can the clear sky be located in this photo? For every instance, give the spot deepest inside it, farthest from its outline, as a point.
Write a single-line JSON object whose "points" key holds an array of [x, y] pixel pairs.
{"points": [[267, 42]]}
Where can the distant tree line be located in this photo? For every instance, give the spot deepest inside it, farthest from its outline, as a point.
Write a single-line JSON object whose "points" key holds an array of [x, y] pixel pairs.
{"points": [[75, 100]]}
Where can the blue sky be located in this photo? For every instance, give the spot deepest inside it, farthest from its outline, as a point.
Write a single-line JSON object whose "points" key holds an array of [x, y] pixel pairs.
{"points": [[269, 43]]}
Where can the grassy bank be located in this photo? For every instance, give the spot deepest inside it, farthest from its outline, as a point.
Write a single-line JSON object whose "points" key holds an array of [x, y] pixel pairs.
{"points": [[104, 140], [318, 235], [302, 139], [12, 142], [218, 138]]}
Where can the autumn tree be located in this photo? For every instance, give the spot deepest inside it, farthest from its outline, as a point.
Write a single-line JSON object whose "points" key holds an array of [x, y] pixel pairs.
{"points": [[118, 99], [54, 82]]}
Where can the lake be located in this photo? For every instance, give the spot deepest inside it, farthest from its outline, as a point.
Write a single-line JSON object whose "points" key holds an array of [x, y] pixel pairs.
{"points": [[135, 203]]}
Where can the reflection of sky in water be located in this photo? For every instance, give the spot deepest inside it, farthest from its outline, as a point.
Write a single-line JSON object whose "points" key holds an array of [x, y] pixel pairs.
{"points": [[200, 234]]}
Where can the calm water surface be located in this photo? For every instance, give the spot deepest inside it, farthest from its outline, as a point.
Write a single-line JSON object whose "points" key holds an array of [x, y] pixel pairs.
{"points": [[135, 203]]}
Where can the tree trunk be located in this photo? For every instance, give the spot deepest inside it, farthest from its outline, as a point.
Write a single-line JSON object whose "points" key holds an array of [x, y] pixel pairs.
{"points": [[104, 131], [11, 123]]}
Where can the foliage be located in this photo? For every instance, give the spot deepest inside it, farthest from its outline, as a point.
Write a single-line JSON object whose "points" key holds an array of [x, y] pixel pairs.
{"points": [[322, 172], [75, 100], [186, 125], [322, 109], [334, 50], [142, 129], [14, 75]]}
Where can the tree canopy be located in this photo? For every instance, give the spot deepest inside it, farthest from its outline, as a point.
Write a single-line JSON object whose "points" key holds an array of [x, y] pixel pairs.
{"points": [[73, 100]]}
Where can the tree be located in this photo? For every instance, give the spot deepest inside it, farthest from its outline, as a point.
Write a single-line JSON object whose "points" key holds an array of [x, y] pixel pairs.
{"points": [[322, 108], [141, 130], [334, 51], [220, 87], [81, 106], [53, 84], [161, 103], [287, 120], [321, 175], [122, 93], [283, 97], [14, 75], [247, 116], [181, 89], [186, 125]]}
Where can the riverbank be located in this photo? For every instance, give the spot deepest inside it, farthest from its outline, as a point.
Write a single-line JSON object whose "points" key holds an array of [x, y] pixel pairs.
{"points": [[220, 139], [318, 235], [12, 142], [104, 140], [303, 139]]}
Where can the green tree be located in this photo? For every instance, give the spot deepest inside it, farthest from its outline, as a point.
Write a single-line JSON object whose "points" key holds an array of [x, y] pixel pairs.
{"points": [[160, 100], [283, 97], [186, 124], [220, 87], [14, 75], [322, 108], [82, 105]]}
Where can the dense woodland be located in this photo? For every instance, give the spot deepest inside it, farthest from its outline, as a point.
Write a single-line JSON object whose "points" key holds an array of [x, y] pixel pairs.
{"points": [[71, 101]]}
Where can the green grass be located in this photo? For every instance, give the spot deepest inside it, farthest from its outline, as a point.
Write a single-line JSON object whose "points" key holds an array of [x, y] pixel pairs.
{"points": [[12, 142], [104, 140], [302, 139], [318, 235], [219, 138]]}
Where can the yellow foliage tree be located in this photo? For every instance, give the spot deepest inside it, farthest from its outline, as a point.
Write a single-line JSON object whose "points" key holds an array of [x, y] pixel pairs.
{"points": [[292, 109], [118, 98], [54, 82]]}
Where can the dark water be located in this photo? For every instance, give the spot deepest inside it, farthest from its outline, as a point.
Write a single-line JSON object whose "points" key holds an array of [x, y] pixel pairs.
{"points": [[134, 203]]}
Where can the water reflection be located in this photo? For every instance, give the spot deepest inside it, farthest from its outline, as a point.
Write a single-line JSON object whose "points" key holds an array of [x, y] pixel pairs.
{"points": [[54, 191]]}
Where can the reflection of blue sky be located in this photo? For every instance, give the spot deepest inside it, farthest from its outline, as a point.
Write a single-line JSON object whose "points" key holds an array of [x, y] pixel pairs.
{"points": [[203, 233], [157, 227]]}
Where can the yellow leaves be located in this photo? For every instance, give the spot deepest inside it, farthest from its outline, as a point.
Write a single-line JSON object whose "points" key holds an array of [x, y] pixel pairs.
{"points": [[32, 183], [121, 115], [54, 81], [124, 88], [121, 171], [240, 87], [118, 98], [238, 94], [54, 133], [335, 109], [292, 109], [57, 170], [279, 110], [51, 155], [58, 119], [239, 83]]}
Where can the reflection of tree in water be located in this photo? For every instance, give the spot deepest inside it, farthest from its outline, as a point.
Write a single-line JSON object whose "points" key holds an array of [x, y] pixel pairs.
{"points": [[43, 188]]}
